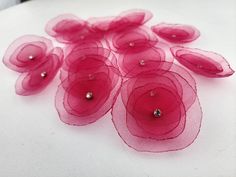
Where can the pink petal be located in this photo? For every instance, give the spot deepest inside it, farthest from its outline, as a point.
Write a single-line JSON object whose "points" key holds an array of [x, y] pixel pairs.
{"points": [[202, 62]]}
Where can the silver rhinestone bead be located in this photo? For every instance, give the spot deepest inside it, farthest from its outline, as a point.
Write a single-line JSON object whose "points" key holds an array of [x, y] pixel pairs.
{"points": [[31, 57], [43, 74], [173, 35], [157, 113], [142, 63], [89, 95]]}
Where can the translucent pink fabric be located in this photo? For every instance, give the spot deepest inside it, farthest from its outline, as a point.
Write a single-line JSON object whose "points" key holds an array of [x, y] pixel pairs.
{"points": [[176, 33], [202, 62]]}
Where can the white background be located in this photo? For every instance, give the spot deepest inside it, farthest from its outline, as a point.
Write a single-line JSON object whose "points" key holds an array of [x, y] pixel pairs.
{"points": [[35, 143], [7, 3]]}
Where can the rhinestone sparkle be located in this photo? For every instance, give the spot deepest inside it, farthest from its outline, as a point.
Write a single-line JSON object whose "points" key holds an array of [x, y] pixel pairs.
{"points": [[31, 57], [43, 74], [89, 95], [141, 62], [157, 113]]}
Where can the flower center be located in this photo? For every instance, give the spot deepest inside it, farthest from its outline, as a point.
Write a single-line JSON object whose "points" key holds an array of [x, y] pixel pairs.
{"points": [[131, 44], [90, 76], [142, 63], [89, 95], [31, 57], [43, 74], [157, 113], [152, 93]]}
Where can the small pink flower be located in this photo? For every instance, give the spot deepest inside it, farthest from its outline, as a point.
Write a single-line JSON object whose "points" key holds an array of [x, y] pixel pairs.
{"points": [[202, 62], [68, 28], [27, 52], [36, 80], [132, 39], [176, 33], [36, 59], [126, 19], [133, 63]]}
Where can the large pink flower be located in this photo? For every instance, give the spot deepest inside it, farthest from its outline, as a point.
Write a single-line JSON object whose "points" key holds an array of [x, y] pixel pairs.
{"points": [[176, 33], [158, 110], [206, 63]]}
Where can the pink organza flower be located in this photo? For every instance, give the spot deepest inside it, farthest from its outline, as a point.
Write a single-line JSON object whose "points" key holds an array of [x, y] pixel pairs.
{"points": [[36, 80], [176, 33], [27, 52], [36, 59], [202, 62], [131, 18], [68, 28], [133, 63], [132, 39], [90, 84], [158, 110]]}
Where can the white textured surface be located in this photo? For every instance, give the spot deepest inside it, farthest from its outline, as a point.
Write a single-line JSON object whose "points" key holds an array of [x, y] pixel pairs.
{"points": [[34, 143]]}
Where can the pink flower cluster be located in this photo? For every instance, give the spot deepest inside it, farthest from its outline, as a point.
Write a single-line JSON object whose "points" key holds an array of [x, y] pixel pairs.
{"points": [[123, 65]]}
